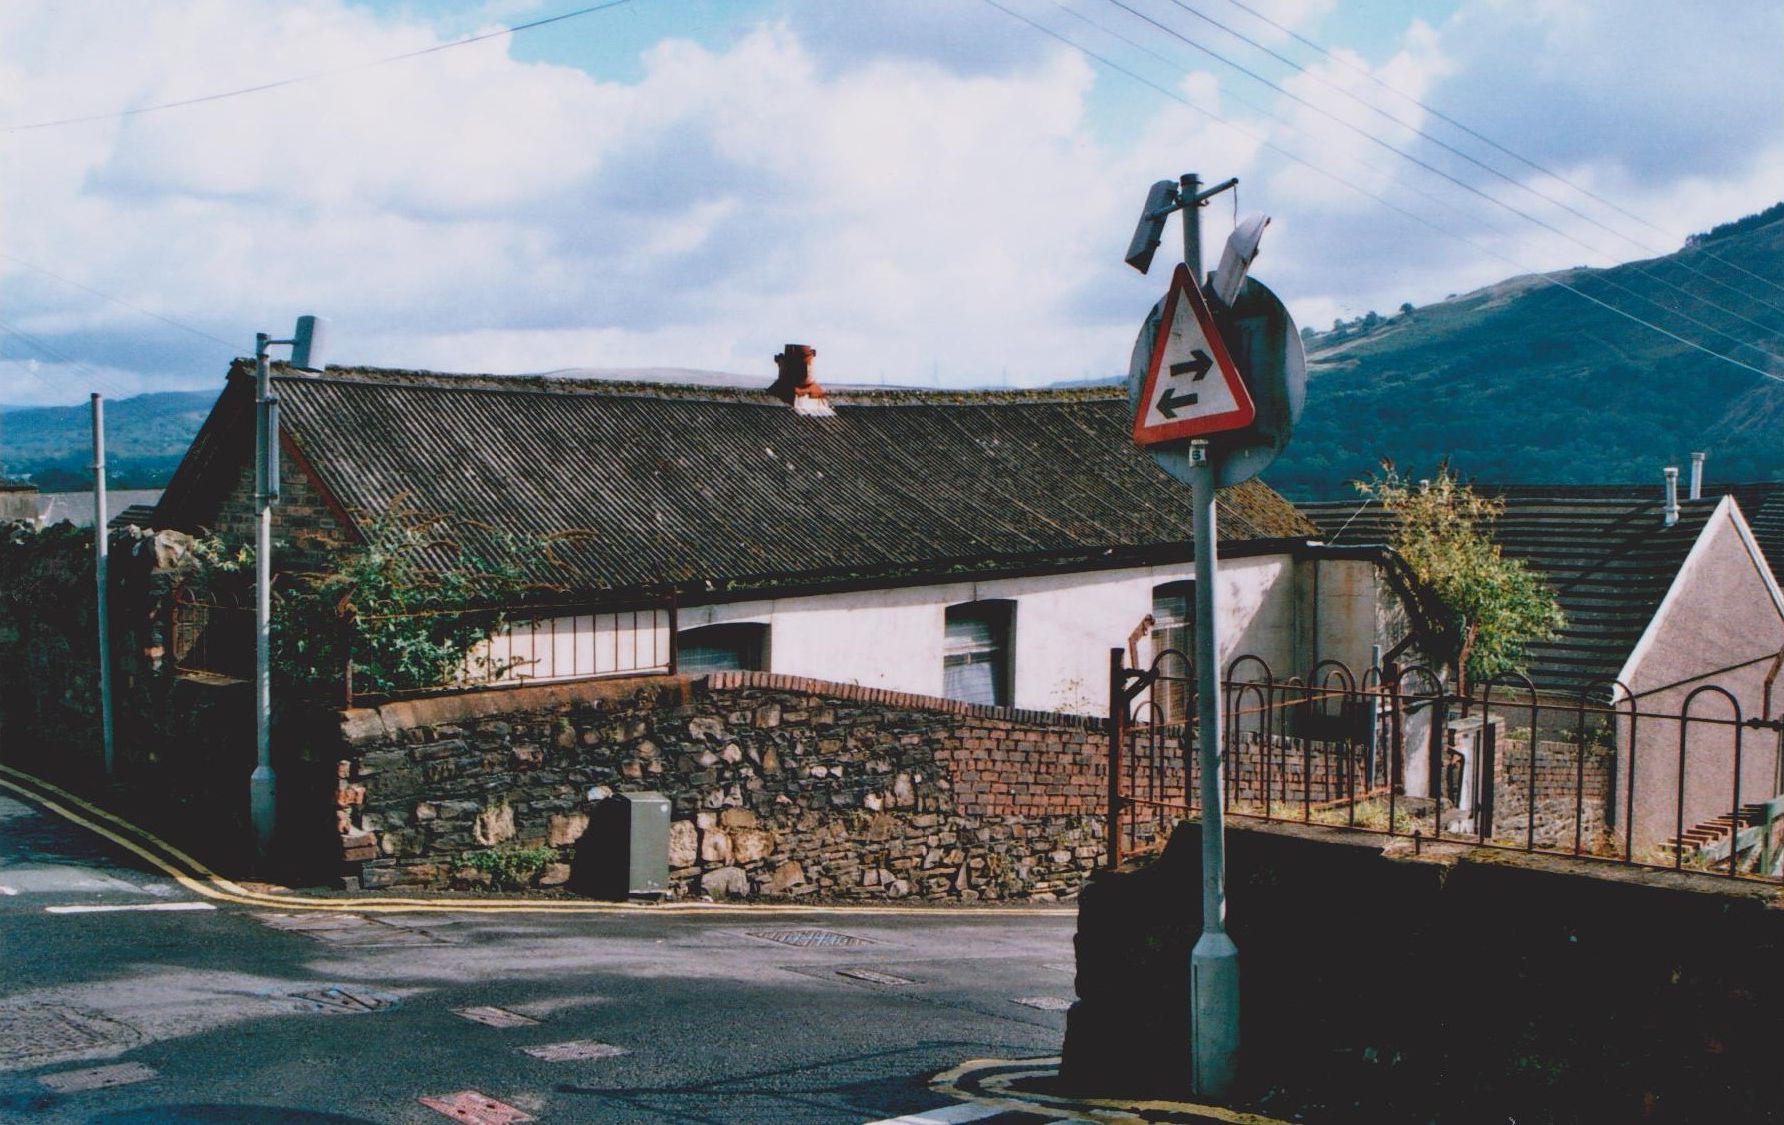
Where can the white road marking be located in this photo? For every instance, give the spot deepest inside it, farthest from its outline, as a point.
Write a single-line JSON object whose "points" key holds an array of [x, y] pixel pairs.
{"points": [[946, 1115], [112, 908], [97, 1078]]}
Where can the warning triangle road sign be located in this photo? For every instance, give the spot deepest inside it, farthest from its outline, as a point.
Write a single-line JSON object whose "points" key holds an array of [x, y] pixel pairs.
{"points": [[1192, 387]]}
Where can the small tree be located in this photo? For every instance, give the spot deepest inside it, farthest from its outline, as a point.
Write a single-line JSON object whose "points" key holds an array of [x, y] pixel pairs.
{"points": [[1488, 607]]}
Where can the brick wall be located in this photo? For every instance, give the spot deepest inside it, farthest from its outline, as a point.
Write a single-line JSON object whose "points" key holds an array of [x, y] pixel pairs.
{"points": [[1561, 787], [779, 786], [305, 530]]}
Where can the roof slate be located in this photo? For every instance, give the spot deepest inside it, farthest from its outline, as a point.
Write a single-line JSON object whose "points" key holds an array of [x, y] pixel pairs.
{"points": [[1610, 558], [709, 488]]}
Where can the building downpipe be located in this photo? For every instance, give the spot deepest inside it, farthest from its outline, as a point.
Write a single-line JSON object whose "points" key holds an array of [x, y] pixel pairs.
{"points": [[1696, 492], [1671, 514]]}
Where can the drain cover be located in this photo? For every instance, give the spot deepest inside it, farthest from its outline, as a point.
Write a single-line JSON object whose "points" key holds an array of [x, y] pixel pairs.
{"points": [[574, 1050], [806, 939], [873, 976], [96, 1078], [494, 1017], [1044, 1003], [479, 1109], [344, 1000], [31, 1031]]}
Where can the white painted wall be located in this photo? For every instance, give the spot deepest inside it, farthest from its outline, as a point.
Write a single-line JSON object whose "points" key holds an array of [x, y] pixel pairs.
{"points": [[1065, 626]]}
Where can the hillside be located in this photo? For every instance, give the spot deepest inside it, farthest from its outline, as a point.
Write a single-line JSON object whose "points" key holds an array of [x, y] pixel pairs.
{"points": [[1526, 382], [145, 437]]}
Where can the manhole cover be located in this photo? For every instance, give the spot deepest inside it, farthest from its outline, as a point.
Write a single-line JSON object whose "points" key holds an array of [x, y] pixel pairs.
{"points": [[495, 1017], [96, 1078], [1044, 1003], [575, 1049], [31, 1031], [806, 939], [479, 1109], [343, 1000], [873, 976]]}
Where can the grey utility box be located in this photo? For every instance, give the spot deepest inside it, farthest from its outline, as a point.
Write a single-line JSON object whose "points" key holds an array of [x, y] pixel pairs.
{"points": [[625, 852]]}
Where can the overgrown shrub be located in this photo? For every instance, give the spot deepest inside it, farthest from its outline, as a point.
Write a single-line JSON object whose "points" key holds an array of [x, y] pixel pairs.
{"points": [[512, 868]]}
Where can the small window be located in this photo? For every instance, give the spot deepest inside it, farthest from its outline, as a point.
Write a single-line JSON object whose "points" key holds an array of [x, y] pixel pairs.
{"points": [[722, 648], [1173, 640], [976, 653]]}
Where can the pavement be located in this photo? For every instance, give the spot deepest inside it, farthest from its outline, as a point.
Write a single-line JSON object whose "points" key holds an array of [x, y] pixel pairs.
{"points": [[138, 987]]}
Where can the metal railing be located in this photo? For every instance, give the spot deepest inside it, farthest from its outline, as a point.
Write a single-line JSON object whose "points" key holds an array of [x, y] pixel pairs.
{"points": [[1680, 778]]}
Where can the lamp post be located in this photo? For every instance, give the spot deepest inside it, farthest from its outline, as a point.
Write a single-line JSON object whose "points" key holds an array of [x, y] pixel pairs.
{"points": [[307, 346]]}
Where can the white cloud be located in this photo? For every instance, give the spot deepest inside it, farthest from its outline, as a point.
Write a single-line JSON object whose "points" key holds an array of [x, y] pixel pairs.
{"points": [[903, 195]]}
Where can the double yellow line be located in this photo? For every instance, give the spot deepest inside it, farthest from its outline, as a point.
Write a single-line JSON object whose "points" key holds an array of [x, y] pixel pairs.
{"points": [[992, 1083], [201, 880]]}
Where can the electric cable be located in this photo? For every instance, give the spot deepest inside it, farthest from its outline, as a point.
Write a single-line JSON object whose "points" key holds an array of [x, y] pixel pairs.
{"points": [[299, 78], [1519, 184], [1489, 141], [1467, 187], [1265, 142]]}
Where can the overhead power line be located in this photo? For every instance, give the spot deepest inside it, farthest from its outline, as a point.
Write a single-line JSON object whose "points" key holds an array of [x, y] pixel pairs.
{"points": [[1265, 142], [299, 78], [1521, 185], [116, 300], [1458, 182], [1490, 142], [1445, 205]]}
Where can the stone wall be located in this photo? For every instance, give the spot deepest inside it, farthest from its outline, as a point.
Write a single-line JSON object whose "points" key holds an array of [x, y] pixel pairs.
{"points": [[306, 534], [779, 786], [1562, 787], [1385, 982]]}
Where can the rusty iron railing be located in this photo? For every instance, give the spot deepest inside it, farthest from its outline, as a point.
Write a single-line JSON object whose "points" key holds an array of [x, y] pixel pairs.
{"points": [[1668, 779]]}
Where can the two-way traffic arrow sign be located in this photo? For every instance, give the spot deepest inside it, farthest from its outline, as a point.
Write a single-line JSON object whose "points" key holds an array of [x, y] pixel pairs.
{"points": [[1178, 400]]}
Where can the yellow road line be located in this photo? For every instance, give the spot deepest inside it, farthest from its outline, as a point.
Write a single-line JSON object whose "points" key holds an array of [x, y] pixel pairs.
{"points": [[201, 880], [994, 1090]]}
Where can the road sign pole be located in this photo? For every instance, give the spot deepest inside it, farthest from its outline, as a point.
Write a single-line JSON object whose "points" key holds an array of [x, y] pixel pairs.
{"points": [[1214, 963]]}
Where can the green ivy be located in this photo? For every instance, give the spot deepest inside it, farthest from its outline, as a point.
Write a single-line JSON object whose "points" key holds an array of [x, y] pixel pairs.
{"points": [[407, 608]]}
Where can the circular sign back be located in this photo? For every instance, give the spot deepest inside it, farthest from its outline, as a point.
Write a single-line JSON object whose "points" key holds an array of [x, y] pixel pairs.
{"points": [[1266, 347]]}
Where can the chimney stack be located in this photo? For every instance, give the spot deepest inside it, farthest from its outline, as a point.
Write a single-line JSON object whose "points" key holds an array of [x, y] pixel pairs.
{"points": [[794, 384], [1697, 476], [1671, 514]]}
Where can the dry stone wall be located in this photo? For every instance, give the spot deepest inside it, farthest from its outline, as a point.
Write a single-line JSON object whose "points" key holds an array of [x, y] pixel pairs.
{"points": [[779, 787]]}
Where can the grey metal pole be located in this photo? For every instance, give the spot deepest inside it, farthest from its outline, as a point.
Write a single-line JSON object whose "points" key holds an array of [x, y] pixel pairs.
{"points": [[102, 569], [263, 784], [1214, 963]]}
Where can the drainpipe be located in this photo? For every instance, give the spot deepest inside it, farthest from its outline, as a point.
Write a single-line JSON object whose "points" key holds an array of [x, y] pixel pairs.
{"points": [[1671, 515], [1697, 476]]}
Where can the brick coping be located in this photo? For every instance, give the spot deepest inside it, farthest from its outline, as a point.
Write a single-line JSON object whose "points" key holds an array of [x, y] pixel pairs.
{"points": [[856, 693], [362, 724]]}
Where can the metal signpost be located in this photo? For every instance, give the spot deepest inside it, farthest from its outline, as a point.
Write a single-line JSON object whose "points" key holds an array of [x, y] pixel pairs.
{"points": [[1211, 433]]}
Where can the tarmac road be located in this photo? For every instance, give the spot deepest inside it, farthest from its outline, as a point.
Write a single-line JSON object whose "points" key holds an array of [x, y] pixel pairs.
{"points": [[125, 996]]}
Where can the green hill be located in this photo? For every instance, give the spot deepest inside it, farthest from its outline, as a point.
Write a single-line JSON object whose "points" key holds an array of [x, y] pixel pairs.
{"points": [[145, 437], [1526, 382]]}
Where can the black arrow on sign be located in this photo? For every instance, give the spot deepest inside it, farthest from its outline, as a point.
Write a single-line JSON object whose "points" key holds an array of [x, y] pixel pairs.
{"points": [[1170, 402], [1198, 362]]}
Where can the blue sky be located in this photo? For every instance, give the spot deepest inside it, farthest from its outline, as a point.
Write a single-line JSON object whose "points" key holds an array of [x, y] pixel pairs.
{"points": [[925, 190]]}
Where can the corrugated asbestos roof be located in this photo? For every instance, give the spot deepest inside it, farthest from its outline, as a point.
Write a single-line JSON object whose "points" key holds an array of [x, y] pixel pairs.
{"points": [[707, 487], [1610, 559]]}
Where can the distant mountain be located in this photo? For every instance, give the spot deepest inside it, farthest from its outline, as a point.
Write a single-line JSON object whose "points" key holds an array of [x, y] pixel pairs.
{"points": [[1526, 382], [145, 437]]}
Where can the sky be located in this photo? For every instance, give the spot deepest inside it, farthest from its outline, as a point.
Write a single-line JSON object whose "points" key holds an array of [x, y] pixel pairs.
{"points": [[930, 192]]}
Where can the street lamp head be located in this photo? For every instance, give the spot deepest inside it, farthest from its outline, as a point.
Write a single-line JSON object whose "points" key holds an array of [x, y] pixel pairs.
{"points": [[1236, 259], [1161, 200], [309, 344]]}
